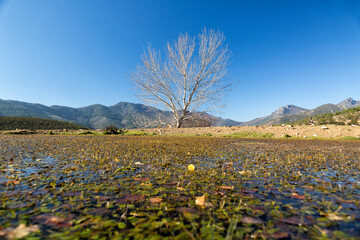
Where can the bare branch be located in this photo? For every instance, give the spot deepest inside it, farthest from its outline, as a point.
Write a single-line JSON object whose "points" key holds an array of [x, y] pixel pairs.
{"points": [[185, 82]]}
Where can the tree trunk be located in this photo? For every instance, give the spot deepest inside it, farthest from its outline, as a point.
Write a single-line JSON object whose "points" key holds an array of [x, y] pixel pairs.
{"points": [[178, 123]]}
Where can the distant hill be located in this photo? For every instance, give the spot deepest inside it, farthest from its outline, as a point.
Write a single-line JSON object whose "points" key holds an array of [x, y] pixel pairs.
{"points": [[12, 123], [278, 114], [349, 116], [122, 115], [291, 113], [131, 115]]}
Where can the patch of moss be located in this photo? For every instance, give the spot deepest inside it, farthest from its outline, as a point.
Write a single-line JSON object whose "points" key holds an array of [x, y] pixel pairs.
{"points": [[249, 135], [349, 138]]}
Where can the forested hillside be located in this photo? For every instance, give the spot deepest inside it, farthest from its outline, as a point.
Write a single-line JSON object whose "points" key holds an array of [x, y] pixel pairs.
{"points": [[349, 116], [12, 123]]}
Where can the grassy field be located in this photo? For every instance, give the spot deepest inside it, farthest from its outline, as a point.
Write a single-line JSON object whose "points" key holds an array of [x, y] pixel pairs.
{"points": [[141, 187]]}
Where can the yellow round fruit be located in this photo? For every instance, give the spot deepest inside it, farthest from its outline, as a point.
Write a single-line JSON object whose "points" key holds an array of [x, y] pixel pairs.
{"points": [[191, 168]]}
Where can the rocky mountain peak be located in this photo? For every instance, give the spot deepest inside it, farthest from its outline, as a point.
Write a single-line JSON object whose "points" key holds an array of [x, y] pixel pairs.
{"points": [[351, 101], [288, 109], [348, 103]]}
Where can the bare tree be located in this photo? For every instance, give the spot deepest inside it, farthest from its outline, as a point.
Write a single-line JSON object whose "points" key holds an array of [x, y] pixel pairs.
{"points": [[185, 81]]}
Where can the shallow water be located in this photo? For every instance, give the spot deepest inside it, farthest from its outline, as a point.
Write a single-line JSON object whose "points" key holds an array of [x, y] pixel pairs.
{"points": [[294, 188]]}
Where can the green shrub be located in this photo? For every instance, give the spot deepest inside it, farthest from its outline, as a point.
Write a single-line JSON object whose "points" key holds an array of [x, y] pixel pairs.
{"points": [[138, 133], [85, 133], [112, 130], [287, 136], [206, 135]]}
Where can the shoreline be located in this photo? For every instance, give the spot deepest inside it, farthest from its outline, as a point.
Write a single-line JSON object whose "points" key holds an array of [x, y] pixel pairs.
{"points": [[274, 132]]}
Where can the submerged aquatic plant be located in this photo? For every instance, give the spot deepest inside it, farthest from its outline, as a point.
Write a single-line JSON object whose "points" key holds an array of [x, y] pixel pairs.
{"points": [[142, 187]]}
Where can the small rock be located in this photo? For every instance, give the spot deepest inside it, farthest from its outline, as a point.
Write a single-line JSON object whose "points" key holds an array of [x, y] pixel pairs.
{"points": [[324, 128], [297, 134], [315, 135], [304, 136]]}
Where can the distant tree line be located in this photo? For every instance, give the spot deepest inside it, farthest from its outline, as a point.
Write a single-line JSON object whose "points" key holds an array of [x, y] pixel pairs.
{"points": [[12, 123]]}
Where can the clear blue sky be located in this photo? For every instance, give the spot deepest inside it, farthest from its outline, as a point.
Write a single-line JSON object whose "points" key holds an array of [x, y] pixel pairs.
{"points": [[78, 53]]}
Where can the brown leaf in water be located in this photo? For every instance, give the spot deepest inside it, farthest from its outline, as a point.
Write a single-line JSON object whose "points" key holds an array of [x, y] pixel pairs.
{"points": [[308, 187], [277, 235], [227, 187], [297, 196], [155, 200], [259, 209], [219, 193], [199, 201], [251, 220], [334, 217], [249, 191], [295, 221], [19, 232], [142, 179], [14, 182], [339, 200], [52, 221], [129, 198]]}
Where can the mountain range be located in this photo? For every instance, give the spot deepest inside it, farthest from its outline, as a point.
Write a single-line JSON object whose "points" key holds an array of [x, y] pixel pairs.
{"points": [[122, 114], [130, 115], [291, 113]]}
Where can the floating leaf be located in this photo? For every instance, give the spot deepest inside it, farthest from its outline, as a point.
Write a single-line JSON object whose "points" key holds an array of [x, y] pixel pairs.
{"points": [[251, 220], [142, 179], [227, 187], [297, 196], [129, 198], [51, 220], [249, 191], [15, 182], [155, 200], [200, 201], [19, 232], [334, 217], [308, 187], [339, 200], [295, 221], [277, 235]]}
